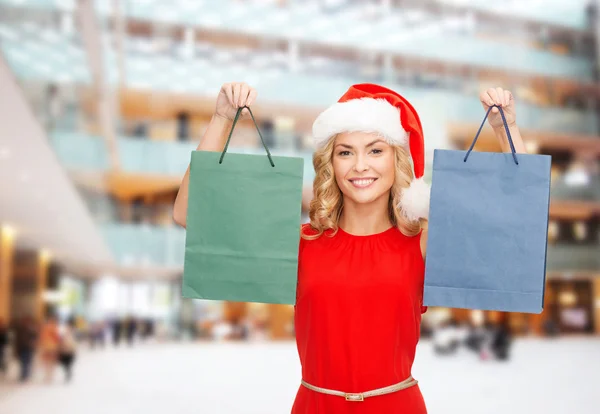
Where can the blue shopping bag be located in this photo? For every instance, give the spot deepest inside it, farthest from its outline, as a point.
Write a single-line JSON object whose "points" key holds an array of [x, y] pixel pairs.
{"points": [[488, 229]]}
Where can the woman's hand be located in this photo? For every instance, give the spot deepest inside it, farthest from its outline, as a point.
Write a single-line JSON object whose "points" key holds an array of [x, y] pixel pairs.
{"points": [[233, 96], [502, 98], [505, 100]]}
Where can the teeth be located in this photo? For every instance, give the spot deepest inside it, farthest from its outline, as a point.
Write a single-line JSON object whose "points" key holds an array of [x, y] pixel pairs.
{"points": [[362, 183]]}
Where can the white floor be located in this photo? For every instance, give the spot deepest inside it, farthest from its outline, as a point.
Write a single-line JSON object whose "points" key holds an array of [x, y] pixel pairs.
{"points": [[548, 377]]}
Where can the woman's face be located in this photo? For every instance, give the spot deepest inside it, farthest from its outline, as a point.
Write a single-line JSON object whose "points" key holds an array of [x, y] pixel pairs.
{"points": [[364, 166]]}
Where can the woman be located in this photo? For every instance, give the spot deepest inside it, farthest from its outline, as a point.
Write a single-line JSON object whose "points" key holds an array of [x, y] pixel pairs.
{"points": [[49, 343], [361, 258], [68, 348]]}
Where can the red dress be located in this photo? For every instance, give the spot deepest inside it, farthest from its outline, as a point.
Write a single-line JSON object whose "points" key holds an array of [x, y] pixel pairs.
{"points": [[357, 320]]}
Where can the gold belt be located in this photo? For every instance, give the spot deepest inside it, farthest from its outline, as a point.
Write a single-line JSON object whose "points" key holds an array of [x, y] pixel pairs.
{"points": [[360, 396]]}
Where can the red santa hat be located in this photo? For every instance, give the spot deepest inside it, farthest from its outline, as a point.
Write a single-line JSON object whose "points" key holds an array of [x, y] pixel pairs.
{"points": [[373, 108]]}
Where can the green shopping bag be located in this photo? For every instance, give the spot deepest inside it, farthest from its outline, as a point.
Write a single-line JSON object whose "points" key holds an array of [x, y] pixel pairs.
{"points": [[243, 226]]}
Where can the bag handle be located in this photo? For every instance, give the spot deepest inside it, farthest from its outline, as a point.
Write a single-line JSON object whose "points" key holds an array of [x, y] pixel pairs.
{"points": [[510, 141], [237, 115]]}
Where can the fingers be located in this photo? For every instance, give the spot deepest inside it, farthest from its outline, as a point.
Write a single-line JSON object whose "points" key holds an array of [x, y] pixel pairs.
{"points": [[496, 96], [237, 87], [245, 89], [508, 98], [239, 94], [251, 97], [228, 88], [500, 93]]}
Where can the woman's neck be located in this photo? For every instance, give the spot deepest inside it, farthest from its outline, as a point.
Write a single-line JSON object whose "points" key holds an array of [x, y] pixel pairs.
{"points": [[365, 219]]}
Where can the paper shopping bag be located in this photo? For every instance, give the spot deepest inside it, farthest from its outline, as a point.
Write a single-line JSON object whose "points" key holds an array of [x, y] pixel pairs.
{"points": [[488, 227], [243, 226]]}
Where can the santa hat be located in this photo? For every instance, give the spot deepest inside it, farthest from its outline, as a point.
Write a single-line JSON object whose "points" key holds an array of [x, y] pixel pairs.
{"points": [[373, 108]]}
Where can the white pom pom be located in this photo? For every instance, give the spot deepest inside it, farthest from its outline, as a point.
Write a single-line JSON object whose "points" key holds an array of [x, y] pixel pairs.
{"points": [[414, 202]]}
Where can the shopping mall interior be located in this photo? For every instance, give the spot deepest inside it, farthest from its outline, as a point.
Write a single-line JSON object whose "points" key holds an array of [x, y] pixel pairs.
{"points": [[102, 102]]}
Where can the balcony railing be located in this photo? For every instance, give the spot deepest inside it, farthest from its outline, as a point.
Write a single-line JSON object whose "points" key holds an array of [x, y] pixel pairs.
{"points": [[170, 158], [139, 244], [561, 257]]}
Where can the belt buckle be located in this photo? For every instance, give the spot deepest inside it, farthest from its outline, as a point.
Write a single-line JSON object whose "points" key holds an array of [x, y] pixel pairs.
{"points": [[354, 396]]}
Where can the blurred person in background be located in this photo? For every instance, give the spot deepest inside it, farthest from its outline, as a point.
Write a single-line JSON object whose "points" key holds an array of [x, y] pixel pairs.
{"points": [[446, 338], [97, 334], [501, 340], [82, 327], [551, 328], [49, 346], [117, 326], [26, 337], [130, 330], [497, 342], [68, 348], [3, 345], [239, 330], [353, 312], [476, 337]]}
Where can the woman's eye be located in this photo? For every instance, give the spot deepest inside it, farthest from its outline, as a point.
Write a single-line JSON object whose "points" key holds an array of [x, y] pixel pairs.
{"points": [[376, 151], [344, 153]]}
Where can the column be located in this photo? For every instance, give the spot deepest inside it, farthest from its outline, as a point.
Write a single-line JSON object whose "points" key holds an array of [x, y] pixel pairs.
{"points": [[7, 235], [41, 277], [596, 302]]}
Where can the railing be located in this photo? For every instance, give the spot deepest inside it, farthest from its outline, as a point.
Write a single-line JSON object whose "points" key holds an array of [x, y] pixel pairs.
{"points": [[63, 58], [561, 257], [570, 14], [587, 189], [138, 244], [171, 158]]}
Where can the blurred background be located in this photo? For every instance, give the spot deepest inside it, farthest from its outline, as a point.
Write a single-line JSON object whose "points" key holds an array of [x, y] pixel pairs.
{"points": [[100, 105]]}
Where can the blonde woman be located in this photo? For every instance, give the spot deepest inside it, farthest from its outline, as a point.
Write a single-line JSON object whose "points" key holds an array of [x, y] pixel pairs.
{"points": [[361, 258]]}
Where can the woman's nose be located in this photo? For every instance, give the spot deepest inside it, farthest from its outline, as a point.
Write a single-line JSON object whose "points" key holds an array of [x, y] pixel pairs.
{"points": [[361, 164]]}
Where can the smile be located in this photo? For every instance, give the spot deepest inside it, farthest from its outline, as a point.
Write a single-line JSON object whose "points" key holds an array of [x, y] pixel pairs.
{"points": [[362, 182]]}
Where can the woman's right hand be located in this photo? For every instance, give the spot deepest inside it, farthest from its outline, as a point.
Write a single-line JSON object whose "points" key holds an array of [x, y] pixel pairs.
{"points": [[233, 96]]}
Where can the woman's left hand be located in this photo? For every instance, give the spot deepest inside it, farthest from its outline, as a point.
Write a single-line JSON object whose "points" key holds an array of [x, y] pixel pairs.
{"points": [[502, 98]]}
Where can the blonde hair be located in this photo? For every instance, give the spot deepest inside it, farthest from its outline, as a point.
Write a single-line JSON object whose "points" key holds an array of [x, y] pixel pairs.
{"points": [[328, 203]]}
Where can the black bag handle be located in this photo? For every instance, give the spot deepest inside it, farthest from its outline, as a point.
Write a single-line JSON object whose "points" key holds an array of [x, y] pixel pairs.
{"points": [[237, 115], [510, 141]]}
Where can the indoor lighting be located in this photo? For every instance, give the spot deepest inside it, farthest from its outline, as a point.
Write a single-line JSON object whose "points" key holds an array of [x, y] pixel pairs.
{"points": [[567, 298], [553, 230], [45, 255], [580, 230], [577, 178], [532, 147], [8, 231]]}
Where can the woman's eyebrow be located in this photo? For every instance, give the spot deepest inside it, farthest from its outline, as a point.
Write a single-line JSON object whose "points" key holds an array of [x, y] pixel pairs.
{"points": [[366, 146], [374, 142], [345, 146]]}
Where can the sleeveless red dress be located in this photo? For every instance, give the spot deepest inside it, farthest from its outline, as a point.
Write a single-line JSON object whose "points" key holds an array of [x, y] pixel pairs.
{"points": [[357, 320]]}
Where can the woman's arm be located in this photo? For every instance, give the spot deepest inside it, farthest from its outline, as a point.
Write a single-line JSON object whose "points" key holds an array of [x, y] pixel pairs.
{"points": [[231, 97], [515, 134], [213, 140]]}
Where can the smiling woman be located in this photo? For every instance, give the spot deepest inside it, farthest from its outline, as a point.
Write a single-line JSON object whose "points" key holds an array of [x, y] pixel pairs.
{"points": [[362, 173], [361, 270]]}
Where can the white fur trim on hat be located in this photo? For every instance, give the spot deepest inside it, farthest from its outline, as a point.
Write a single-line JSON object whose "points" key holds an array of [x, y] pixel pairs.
{"points": [[362, 114], [414, 202]]}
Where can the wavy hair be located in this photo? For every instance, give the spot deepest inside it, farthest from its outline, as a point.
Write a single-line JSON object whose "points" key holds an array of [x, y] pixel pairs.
{"points": [[328, 202]]}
